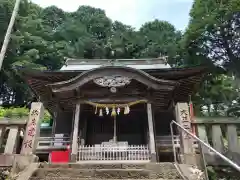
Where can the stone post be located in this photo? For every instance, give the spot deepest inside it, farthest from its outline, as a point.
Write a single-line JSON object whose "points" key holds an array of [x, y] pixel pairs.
{"points": [[217, 138], [32, 131], [233, 143], [11, 144], [75, 134], [202, 134], [183, 118], [151, 133]]}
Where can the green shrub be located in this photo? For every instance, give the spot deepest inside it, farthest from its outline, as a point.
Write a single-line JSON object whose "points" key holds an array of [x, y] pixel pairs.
{"points": [[14, 112], [212, 174], [47, 117], [20, 113]]}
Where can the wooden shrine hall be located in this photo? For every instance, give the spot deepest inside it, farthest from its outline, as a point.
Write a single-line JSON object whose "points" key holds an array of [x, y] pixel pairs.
{"points": [[115, 109]]}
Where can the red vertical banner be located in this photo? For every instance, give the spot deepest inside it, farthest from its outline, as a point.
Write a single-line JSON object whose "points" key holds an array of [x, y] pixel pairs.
{"points": [[191, 111]]}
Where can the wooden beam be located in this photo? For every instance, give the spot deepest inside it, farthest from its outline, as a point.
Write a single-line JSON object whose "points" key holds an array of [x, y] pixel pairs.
{"points": [[104, 99], [107, 91], [113, 99]]}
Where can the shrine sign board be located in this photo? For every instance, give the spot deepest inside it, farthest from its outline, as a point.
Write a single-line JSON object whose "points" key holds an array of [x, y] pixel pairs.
{"points": [[32, 130], [183, 118]]}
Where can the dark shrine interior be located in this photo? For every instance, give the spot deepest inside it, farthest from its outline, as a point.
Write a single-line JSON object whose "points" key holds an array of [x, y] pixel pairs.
{"points": [[132, 127]]}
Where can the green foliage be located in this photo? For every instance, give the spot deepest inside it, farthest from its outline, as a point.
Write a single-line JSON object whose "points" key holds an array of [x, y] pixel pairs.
{"points": [[212, 174], [14, 112], [212, 38], [4, 173], [213, 32], [224, 173], [42, 37], [21, 112], [47, 117]]}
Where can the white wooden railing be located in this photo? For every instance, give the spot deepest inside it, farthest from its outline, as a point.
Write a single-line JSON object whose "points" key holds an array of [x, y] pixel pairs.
{"points": [[166, 141], [48, 144], [108, 153]]}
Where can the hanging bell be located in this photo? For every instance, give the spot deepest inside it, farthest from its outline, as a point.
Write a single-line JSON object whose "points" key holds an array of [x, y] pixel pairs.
{"points": [[113, 112], [100, 112]]}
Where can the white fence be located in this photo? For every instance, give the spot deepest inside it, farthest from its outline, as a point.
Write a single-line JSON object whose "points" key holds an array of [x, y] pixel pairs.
{"points": [[108, 153]]}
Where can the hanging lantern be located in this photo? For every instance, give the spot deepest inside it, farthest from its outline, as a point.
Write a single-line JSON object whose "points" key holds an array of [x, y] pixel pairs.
{"points": [[113, 112], [118, 110], [100, 112]]}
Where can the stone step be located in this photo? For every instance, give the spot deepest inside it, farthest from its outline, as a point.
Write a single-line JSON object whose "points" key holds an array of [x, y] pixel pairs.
{"points": [[97, 166], [72, 178], [107, 173], [164, 166], [164, 171], [97, 173]]}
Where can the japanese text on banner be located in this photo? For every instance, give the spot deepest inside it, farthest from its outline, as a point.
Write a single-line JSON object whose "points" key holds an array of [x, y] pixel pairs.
{"points": [[31, 129]]}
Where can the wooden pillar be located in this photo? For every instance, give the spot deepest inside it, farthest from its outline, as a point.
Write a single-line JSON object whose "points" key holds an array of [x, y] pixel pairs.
{"points": [[55, 114], [32, 131], [183, 118], [75, 134], [151, 133]]}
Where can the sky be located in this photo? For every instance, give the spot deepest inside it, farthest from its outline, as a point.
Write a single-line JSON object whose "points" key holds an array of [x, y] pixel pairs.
{"points": [[133, 12]]}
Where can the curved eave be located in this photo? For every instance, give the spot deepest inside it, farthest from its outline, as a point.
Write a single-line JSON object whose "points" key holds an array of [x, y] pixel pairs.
{"points": [[139, 75], [188, 78]]}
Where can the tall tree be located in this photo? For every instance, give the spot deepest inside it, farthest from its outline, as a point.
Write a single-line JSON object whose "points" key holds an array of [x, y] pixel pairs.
{"points": [[160, 38], [42, 37], [214, 32], [213, 38]]}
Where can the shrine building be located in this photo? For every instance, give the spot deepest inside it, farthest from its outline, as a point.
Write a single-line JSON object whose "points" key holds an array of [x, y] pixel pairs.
{"points": [[116, 109]]}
